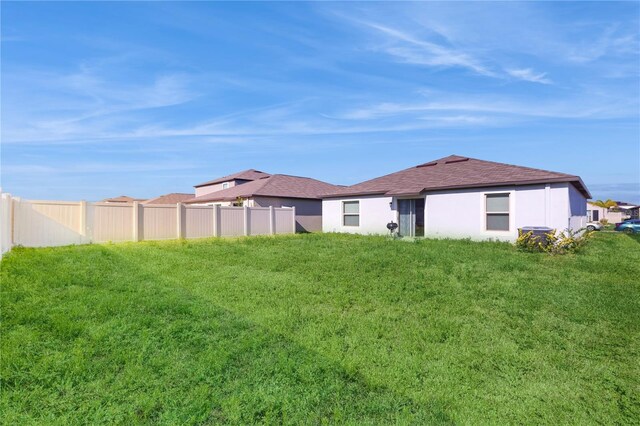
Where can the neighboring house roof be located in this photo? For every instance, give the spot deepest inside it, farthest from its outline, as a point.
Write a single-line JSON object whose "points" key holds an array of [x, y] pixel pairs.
{"points": [[122, 199], [455, 172], [281, 186], [250, 174], [173, 198], [623, 204]]}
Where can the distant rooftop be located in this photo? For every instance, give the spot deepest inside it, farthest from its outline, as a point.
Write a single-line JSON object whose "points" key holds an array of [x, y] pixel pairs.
{"points": [[250, 174], [282, 186], [122, 199], [173, 198]]}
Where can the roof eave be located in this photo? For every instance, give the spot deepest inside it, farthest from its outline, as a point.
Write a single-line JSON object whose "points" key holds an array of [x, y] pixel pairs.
{"points": [[299, 197], [569, 179], [212, 200], [352, 194], [583, 190]]}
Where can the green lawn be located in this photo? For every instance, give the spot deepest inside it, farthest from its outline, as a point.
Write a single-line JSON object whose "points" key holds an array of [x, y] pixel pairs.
{"points": [[321, 329]]}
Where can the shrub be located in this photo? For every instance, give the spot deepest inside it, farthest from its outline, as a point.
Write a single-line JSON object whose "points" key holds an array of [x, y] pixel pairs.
{"points": [[604, 221], [553, 242]]}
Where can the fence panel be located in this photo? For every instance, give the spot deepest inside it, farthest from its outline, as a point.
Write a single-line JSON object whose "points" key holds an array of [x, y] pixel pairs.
{"points": [[231, 221], [159, 222], [5, 222], [47, 223], [284, 219], [55, 223], [198, 221], [110, 222], [259, 221]]}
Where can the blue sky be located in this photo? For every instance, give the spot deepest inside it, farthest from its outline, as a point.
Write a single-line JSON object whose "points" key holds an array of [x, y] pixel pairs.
{"points": [[104, 99]]}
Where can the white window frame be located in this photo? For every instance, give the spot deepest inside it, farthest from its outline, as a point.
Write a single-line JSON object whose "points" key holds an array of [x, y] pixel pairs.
{"points": [[344, 214], [508, 212], [225, 185]]}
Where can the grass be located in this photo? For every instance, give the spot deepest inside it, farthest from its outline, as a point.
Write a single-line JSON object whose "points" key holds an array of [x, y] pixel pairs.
{"points": [[321, 329]]}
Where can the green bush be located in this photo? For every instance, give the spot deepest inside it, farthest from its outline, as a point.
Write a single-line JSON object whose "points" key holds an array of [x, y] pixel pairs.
{"points": [[553, 242]]}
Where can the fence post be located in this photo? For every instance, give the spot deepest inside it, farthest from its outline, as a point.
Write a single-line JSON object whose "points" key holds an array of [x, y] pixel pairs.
{"points": [[15, 201], [272, 221], [293, 212], [5, 233], [247, 214], [83, 221], [216, 220], [12, 221], [180, 220], [136, 221]]}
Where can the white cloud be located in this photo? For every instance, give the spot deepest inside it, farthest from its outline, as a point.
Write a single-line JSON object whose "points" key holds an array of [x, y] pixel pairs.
{"points": [[412, 49], [612, 41], [527, 74], [85, 105], [588, 107], [102, 167]]}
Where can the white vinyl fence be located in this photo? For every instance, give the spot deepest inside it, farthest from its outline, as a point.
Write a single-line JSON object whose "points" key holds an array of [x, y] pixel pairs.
{"points": [[34, 223]]}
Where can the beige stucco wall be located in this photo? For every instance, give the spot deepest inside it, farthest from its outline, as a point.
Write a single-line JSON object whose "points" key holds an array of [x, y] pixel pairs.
{"points": [[604, 213], [462, 213], [308, 211], [203, 190]]}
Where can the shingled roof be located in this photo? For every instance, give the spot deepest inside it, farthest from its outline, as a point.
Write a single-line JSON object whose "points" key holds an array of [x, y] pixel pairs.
{"points": [[122, 199], [455, 172], [173, 198], [250, 174], [281, 186]]}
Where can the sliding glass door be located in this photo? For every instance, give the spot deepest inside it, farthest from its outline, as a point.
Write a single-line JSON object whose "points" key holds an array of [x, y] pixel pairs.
{"points": [[411, 213], [405, 224]]}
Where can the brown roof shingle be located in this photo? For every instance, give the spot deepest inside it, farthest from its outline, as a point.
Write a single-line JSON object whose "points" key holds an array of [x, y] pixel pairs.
{"points": [[455, 172], [282, 186], [173, 198], [250, 174], [122, 199]]}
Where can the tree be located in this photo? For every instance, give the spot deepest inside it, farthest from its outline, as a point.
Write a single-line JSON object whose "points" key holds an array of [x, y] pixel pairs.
{"points": [[605, 204]]}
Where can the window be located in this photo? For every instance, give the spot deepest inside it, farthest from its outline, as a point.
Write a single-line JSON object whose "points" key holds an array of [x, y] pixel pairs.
{"points": [[351, 213], [225, 185], [497, 208]]}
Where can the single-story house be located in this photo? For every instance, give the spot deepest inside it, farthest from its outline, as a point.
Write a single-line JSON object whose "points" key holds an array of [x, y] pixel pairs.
{"points": [[172, 198], [458, 197], [123, 199], [614, 214], [630, 211], [597, 213], [271, 190]]}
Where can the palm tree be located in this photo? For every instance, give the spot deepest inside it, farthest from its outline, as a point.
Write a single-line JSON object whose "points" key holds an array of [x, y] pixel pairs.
{"points": [[605, 204]]}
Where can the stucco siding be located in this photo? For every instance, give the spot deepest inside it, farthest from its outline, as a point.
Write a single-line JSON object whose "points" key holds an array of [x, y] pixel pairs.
{"points": [[308, 211], [577, 209], [531, 203], [559, 207], [375, 213], [203, 190], [462, 213], [605, 213]]}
